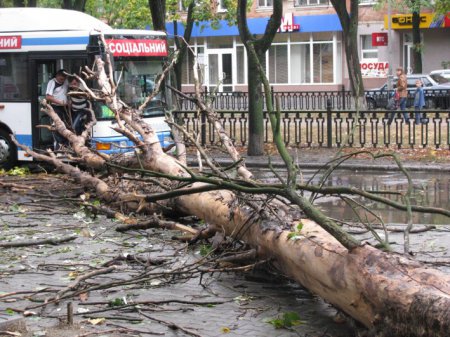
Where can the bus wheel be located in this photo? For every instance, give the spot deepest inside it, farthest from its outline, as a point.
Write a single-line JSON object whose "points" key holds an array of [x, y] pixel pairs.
{"points": [[8, 151]]}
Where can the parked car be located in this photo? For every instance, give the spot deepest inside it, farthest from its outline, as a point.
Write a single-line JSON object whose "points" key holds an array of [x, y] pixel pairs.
{"points": [[441, 76], [436, 95]]}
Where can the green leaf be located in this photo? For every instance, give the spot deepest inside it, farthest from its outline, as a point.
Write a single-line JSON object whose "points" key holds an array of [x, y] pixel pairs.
{"points": [[9, 311], [205, 250], [117, 302], [286, 320], [291, 235], [300, 226]]}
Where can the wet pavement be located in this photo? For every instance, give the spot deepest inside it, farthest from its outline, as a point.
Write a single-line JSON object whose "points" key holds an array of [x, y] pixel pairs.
{"points": [[155, 285], [144, 283]]}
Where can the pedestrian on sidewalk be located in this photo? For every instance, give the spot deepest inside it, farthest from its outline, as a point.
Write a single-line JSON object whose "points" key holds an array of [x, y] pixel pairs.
{"points": [[419, 101], [401, 95]]}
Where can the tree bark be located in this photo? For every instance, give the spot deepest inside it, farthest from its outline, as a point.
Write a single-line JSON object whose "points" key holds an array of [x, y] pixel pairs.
{"points": [[158, 12], [349, 23], [255, 98], [417, 45]]}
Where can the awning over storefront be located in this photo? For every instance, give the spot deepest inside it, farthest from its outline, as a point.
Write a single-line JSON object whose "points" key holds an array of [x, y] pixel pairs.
{"points": [[308, 24]]}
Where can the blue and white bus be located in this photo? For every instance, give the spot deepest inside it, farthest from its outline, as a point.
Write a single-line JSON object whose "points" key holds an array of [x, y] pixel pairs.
{"points": [[36, 42]]}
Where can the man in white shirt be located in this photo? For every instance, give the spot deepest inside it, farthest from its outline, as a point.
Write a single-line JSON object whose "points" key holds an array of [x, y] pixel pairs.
{"points": [[56, 95]]}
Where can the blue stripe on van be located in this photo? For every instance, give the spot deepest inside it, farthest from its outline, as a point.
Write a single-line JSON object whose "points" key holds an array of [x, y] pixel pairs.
{"points": [[25, 140], [55, 40]]}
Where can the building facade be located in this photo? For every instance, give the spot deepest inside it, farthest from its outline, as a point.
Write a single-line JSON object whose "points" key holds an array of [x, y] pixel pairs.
{"points": [[307, 53]]}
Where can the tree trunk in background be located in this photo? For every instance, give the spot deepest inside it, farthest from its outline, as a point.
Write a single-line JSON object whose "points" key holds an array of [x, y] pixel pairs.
{"points": [[158, 12], [349, 23], [255, 112], [417, 43], [255, 145], [182, 45]]}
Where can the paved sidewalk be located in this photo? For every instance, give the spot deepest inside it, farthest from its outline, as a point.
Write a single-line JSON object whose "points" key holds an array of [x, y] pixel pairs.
{"points": [[412, 160]]}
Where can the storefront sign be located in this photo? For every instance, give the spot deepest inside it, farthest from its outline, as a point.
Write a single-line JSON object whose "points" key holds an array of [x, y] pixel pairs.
{"points": [[374, 69], [287, 24], [427, 20], [11, 42], [138, 47], [379, 39]]}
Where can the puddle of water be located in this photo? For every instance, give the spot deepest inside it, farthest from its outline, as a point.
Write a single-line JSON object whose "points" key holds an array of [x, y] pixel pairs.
{"points": [[430, 189]]}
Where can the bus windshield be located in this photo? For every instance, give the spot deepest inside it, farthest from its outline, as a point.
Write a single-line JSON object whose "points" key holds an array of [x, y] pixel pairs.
{"points": [[136, 80]]}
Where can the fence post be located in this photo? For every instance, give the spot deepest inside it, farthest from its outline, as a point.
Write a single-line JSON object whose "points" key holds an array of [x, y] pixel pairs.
{"points": [[329, 125], [343, 97]]}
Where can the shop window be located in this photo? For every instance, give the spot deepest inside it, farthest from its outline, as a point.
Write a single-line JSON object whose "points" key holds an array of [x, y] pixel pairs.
{"points": [[278, 64], [221, 42], [14, 77], [323, 63], [265, 3], [300, 3], [367, 50], [300, 63]]}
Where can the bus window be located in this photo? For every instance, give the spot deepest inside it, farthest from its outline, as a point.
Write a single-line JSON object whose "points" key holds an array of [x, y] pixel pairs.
{"points": [[137, 81], [14, 77]]}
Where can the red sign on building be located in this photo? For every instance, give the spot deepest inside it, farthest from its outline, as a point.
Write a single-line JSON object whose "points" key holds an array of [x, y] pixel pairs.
{"points": [[379, 39], [11, 42], [138, 47]]}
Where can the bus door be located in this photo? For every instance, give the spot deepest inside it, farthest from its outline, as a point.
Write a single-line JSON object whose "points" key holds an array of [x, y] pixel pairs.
{"points": [[44, 69]]}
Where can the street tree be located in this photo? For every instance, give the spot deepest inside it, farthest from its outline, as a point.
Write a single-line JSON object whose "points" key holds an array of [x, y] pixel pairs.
{"points": [[121, 13], [255, 97], [349, 22], [388, 293]]}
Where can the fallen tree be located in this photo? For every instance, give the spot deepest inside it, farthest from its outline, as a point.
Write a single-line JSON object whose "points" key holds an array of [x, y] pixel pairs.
{"points": [[388, 293]]}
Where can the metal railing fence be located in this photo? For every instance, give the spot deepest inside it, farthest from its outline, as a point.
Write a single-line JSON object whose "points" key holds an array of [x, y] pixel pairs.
{"points": [[316, 100], [327, 118], [332, 128]]}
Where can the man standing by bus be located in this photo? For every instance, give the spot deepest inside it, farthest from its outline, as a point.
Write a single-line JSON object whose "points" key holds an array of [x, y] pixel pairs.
{"points": [[56, 95]]}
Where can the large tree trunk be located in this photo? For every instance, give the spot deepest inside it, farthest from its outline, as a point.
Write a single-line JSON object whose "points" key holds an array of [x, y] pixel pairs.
{"points": [[386, 292]]}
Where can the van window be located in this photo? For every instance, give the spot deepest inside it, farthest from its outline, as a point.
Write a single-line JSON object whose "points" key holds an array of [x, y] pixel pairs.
{"points": [[14, 77]]}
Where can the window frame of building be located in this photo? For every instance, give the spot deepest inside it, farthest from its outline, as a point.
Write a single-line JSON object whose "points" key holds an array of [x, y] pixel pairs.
{"points": [[181, 6], [297, 52], [364, 51], [311, 3], [265, 3], [221, 8], [367, 2]]}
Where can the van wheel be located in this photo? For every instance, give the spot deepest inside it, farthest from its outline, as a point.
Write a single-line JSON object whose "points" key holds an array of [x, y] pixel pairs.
{"points": [[8, 151]]}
